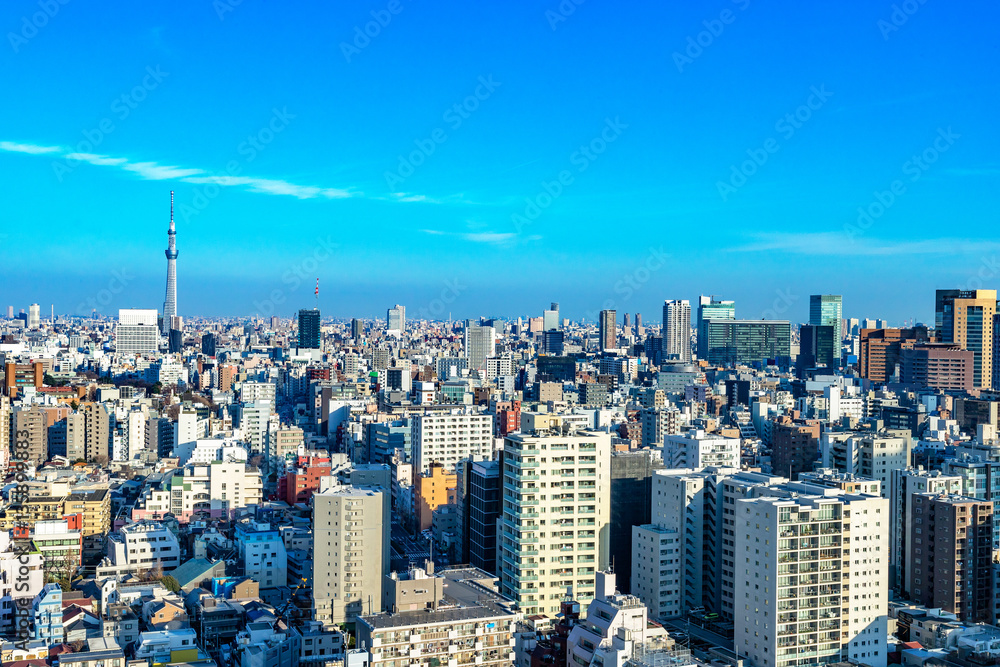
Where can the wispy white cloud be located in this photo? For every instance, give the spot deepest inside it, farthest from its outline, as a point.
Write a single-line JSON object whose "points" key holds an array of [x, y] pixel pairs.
{"points": [[489, 237], [154, 171], [31, 149], [99, 160], [840, 244]]}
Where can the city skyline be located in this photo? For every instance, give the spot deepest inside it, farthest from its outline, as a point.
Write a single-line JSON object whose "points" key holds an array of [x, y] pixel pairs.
{"points": [[758, 205]]}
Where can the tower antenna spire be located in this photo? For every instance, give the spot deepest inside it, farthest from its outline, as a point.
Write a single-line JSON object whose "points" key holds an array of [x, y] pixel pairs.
{"points": [[171, 208]]}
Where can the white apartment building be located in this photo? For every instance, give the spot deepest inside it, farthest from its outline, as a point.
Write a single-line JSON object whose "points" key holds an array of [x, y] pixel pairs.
{"points": [[592, 642], [657, 423], [350, 552], [22, 577], [144, 545], [251, 392], [449, 438], [812, 579], [696, 449], [480, 345], [869, 455], [556, 507], [217, 488], [263, 553], [209, 450]]}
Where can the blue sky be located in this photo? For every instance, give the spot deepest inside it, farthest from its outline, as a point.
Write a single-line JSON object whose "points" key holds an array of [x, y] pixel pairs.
{"points": [[711, 147]]}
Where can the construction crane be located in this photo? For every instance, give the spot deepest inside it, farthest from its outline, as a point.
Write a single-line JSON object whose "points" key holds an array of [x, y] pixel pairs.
{"points": [[282, 612]]}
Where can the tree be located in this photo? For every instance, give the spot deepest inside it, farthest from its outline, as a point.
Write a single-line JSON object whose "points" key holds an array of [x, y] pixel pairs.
{"points": [[170, 584]]}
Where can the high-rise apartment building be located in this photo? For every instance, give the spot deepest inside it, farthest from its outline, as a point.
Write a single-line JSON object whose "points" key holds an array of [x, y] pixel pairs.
{"points": [[906, 483], [677, 330], [811, 580], [448, 439], [309, 329], [395, 319], [357, 329], [965, 318], [556, 515], [607, 330], [828, 310], [951, 556], [698, 449], [710, 309], [30, 436], [871, 455], [137, 332], [350, 552], [794, 446]]}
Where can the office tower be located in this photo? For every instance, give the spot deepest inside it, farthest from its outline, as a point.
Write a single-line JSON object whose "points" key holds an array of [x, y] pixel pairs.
{"points": [[573, 540], [448, 439], [952, 558], [697, 449], [395, 319], [748, 341], [208, 343], [638, 322], [607, 330], [175, 339], [811, 579], [550, 318], [710, 309], [136, 332], [828, 310], [553, 342], [170, 300], [309, 331], [480, 345], [627, 322], [880, 350], [906, 483], [965, 318], [357, 329], [938, 366], [350, 552], [794, 446], [34, 317], [480, 504], [10, 312], [677, 330], [631, 504], [818, 347]]}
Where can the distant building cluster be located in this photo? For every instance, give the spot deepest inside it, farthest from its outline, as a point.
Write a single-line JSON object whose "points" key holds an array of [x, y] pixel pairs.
{"points": [[534, 491]]}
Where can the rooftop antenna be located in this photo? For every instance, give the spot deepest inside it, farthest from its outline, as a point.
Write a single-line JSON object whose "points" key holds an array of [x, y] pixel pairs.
{"points": [[317, 294]]}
